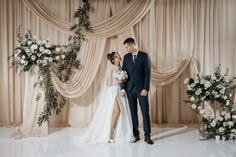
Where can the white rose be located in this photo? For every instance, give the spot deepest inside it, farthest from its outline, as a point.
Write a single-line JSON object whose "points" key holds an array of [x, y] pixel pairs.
{"points": [[186, 80], [57, 57], [192, 98], [44, 41], [213, 123], [58, 49], [227, 102], [50, 59], [27, 50], [33, 57], [217, 137], [193, 85], [202, 111], [39, 42], [221, 118], [34, 46], [63, 56], [234, 116], [207, 84], [22, 61], [49, 52], [29, 42], [202, 81], [230, 123], [194, 106], [221, 129], [26, 63], [48, 45], [23, 57]]}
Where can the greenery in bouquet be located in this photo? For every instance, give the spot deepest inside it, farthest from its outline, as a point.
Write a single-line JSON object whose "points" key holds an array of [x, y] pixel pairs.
{"points": [[59, 60]]}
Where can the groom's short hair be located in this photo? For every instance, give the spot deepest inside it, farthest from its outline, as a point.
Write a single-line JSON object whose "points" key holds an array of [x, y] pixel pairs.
{"points": [[129, 41]]}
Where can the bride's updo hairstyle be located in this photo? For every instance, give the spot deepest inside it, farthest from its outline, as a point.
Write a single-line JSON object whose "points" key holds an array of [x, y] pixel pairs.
{"points": [[111, 57]]}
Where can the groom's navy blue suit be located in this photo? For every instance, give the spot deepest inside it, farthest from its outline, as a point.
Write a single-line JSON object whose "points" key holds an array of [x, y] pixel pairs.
{"points": [[139, 74]]}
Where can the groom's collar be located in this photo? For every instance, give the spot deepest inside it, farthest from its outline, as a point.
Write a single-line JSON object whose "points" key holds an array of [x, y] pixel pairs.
{"points": [[136, 53]]}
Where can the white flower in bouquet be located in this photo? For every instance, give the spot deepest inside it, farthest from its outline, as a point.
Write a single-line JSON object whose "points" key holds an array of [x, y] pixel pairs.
{"points": [[26, 63], [39, 61], [227, 116], [220, 118], [199, 108], [33, 57], [186, 80], [196, 80], [41, 48], [224, 124], [202, 81], [27, 50], [22, 61], [23, 57], [39, 42], [58, 49], [217, 137], [223, 113], [18, 51], [208, 93], [207, 84], [44, 42], [192, 98], [34, 47], [227, 102], [212, 116], [121, 75], [189, 87], [216, 96], [49, 52], [225, 97], [199, 91], [194, 106], [63, 56], [202, 111], [230, 123], [221, 129], [233, 130], [39, 54], [234, 116], [223, 138], [29, 42], [193, 85], [44, 62], [50, 59], [57, 57], [213, 78], [48, 45], [222, 91], [213, 123]]}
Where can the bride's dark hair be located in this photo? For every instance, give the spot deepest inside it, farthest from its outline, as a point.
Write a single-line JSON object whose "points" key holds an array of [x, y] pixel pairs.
{"points": [[111, 56]]}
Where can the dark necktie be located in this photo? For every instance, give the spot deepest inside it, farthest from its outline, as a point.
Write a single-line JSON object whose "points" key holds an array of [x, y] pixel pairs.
{"points": [[134, 58]]}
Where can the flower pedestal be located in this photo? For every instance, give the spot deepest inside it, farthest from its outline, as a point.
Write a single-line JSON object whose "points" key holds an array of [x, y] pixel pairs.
{"points": [[32, 108]]}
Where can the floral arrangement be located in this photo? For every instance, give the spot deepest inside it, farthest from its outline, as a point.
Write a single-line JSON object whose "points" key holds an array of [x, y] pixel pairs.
{"points": [[49, 58], [213, 89], [121, 76], [31, 51]]}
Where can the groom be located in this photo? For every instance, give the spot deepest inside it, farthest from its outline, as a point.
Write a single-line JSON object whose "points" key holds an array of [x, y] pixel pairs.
{"points": [[137, 65]]}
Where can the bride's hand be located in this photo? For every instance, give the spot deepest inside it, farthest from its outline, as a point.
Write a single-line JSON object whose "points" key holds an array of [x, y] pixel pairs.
{"points": [[123, 93]]}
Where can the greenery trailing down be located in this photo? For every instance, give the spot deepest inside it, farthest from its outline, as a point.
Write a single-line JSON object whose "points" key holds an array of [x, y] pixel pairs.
{"points": [[60, 60]]}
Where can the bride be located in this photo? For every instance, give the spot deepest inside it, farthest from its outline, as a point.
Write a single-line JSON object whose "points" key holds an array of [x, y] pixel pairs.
{"points": [[112, 120]]}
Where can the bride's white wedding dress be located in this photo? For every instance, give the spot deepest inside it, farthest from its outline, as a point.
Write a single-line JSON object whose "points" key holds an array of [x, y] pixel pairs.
{"points": [[100, 127]]}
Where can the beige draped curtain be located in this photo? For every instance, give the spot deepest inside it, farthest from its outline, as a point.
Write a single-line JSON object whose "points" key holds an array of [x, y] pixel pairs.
{"points": [[181, 37]]}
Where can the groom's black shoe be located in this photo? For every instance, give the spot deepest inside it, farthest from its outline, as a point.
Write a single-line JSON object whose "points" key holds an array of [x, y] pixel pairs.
{"points": [[148, 140], [137, 138]]}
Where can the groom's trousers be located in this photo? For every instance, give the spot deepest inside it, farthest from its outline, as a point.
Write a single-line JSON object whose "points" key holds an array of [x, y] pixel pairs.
{"points": [[133, 96]]}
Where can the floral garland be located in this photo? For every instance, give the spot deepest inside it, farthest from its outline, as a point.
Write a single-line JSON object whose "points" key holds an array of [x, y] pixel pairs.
{"points": [[59, 59], [213, 89]]}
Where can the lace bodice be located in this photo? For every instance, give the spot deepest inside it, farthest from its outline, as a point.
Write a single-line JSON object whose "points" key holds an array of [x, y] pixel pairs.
{"points": [[111, 80]]}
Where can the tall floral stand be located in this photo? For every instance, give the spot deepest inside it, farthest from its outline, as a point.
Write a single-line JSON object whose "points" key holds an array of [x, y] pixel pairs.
{"points": [[32, 108]]}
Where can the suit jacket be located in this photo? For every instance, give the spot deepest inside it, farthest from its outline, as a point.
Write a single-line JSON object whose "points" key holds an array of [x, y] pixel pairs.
{"points": [[139, 74]]}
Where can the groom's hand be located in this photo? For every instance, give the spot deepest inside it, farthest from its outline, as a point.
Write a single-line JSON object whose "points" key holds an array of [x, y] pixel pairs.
{"points": [[143, 92], [123, 93]]}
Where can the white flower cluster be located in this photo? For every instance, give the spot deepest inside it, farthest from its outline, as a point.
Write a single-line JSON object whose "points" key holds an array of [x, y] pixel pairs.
{"points": [[121, 75], [220, 122], [39, 52]]}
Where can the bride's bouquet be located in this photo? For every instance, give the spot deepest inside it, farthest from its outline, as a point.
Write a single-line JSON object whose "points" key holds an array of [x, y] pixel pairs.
{"points": [[121, 76]]}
